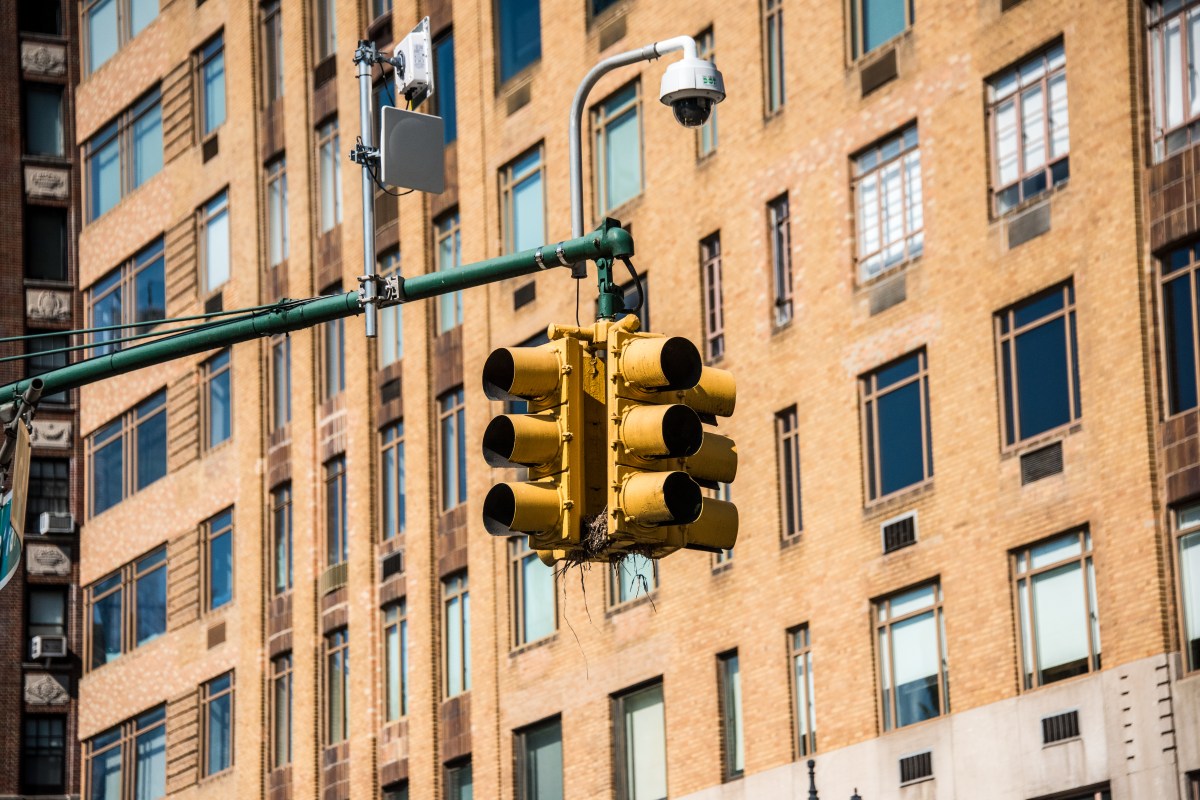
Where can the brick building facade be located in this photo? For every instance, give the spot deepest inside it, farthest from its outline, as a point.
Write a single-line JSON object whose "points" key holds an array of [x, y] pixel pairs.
{"points": [[967, 423], [41, 606]]}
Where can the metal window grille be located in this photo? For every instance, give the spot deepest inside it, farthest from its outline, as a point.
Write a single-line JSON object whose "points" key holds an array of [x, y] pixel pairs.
{"points": [[1060, 727], [917, 767]]}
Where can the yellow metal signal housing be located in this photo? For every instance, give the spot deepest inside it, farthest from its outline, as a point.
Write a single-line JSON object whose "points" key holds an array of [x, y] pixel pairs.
{"points": [[659, 394], [561, 383]]}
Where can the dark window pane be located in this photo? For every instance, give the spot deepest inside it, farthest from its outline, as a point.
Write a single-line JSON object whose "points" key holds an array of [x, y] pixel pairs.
{"points": [[1180, 343], [46, 243], [49, 489], [1006, 366], [43, 120], [897, 372], [445, 97], [220, 412], [900, 446], [106, 627], [150, 285], [151, 440], [152, 604], [520, 35], [107, 476], [220, 559], [543, 769], [1042, 383], [43, 359], [47, 614], [41, 16], [600, 5], [1034, 309], [43, 754]]}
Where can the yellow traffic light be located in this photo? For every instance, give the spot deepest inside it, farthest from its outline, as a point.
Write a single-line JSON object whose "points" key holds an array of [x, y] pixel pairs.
{"points": [[557, 381], [659, 396]]}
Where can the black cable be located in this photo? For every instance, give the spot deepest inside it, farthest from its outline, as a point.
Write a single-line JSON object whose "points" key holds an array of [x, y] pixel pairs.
{"points": [[386, 86], [637, 282], [382, 188]]}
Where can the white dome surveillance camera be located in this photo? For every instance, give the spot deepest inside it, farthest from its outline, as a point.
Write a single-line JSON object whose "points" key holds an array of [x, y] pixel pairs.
{"points": [[692, 87]]}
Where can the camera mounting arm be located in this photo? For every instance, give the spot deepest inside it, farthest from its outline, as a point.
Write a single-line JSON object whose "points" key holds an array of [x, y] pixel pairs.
{"points": [[648, 53]]}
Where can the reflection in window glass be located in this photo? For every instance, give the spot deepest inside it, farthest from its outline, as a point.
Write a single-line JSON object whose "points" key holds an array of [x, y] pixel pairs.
{"points": [[617, 131], [642, 748], [912, 656]]}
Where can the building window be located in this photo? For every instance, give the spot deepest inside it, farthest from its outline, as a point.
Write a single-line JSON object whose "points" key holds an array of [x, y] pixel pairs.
{"points": [[876, 22], [333, 352], [706, 135], [45, 354], [45, 243], [337, 686], [533, 595], [453, 450], [787, 438], [281, 538], [617, 135], [44, 754], [215, 252], [729, 679], [218, 398], [396, 791], [445, 103], [136, 594], [46, 613], [632, 577], [449, 256], [379, 8], [337, 525], [43, 119], [142, 432], [324, 29], [630, 298], [49, 489], [391, 329], [773, 55], [329, 175], [539, 761], [1187, 530], [133, 293], [281, 382], [395, 653], [895, 419], [138, 746], [1039, 364], [1179, 331], [522, 199], [714, 298], [911, 642], [459, 782], [1056, 605], [272, 36], [109, 25], [887, 192], [218, 560], [1174, 30], [800, 654], [40, 16], [216, 716], [281, 710], [518, 35], [124, 154], [456, 601], [277, 212], [1027, 108], [779, 223], [393, 475], [210, 68], [641, 744]]}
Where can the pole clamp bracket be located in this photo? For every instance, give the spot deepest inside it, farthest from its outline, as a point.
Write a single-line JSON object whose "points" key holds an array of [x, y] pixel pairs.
{"points": [[364, 156], [389, 291]]}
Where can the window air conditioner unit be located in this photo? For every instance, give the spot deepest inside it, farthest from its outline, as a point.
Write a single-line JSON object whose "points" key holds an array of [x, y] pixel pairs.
{"points": [[56, 522], [49, 647]]}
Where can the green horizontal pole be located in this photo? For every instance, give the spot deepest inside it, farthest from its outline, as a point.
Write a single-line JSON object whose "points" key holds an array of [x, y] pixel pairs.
{"points": [[608, 241]]}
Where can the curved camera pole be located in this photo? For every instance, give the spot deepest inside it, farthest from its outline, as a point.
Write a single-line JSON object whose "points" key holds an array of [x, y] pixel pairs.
{"points": [[648, 53]]}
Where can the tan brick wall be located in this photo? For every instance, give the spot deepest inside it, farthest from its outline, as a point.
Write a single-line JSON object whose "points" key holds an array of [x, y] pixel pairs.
{"points": [[974, 513]]}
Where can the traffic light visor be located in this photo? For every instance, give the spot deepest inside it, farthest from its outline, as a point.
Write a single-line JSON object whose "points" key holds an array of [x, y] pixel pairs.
{"points": [[661, 362], [520, 373], [520, 440], [671, 431], [523, 507], [654, 498]]}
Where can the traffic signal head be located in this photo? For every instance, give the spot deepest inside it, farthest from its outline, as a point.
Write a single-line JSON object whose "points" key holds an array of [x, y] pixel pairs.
{"points": [[558, 381], [659, 395]]}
